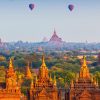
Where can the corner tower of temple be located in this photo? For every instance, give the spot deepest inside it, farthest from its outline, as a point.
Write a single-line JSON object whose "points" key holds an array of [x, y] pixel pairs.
{"points": [[28, 72], [84, 71], [10, 73], [10, 70]]}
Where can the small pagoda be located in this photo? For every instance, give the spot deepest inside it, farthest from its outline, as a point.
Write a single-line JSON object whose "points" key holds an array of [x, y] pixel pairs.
{"points": [[11, 91]]}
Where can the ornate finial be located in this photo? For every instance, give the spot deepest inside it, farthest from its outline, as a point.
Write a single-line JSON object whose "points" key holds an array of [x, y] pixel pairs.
{"points": [[28, 72], [55, 83], [50, 77], [43, 62], [10, 63], [84, 72], [84, 61]]}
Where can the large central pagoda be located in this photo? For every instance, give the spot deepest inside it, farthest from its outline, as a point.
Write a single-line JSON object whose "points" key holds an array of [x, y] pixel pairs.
{"points": [[55, 38]]}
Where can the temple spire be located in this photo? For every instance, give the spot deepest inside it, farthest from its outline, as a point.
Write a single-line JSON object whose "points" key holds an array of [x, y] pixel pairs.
{"points": [[28, 72], [84, 71], [43, 62], [55, 83], [10, 63], [43, 71], [50, 77], [84, 62]]}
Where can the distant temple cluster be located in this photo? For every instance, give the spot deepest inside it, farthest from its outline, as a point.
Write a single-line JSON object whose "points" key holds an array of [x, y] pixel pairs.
{"points": [[43, 87]]}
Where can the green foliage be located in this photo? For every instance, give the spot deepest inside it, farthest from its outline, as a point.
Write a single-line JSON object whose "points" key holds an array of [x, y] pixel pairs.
{"points": [[97, 75], [4, 63], [25, 86], [20, 62], [24, 89], [2, 74], [63, 77], [26, 82]]}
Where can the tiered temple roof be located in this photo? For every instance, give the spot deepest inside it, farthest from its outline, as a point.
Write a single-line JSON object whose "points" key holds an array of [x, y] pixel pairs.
{"points": [[12, 90], [43, 87], [84, 87]]}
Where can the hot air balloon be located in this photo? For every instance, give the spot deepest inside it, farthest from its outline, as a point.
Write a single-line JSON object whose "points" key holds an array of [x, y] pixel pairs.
{"points": [[71, 7], [31, 6]]}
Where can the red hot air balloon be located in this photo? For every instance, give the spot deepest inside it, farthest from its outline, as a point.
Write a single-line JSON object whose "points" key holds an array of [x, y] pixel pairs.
{"points": [[31, 6], [71, 7]]}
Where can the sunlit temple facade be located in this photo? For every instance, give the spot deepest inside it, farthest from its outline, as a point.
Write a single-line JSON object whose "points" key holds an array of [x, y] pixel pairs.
{"points": [[44, 87], [10, 90], [84, 87]]}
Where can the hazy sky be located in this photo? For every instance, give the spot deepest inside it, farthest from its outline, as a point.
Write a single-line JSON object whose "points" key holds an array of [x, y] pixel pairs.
{"points": [[18, 22]]}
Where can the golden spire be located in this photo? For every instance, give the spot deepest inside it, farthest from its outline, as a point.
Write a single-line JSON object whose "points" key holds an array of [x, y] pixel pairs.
{"points": [[84, 61], [28, 72], [55, 83], [43, 62], [50, 77], [43, 71], [84, 72], [10, 63]]}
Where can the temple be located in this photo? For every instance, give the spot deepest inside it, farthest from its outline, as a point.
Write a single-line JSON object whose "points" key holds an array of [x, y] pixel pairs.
{"points": [[28, 74], [84, 72], [85, 87], [10, 90], [55, 38], [43, 87]]}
